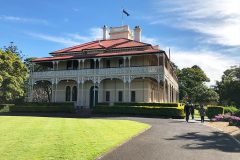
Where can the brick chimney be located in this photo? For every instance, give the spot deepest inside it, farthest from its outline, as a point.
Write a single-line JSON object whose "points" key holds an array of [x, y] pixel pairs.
{"points": [[120, 32], [137, 33], [105, 32]]}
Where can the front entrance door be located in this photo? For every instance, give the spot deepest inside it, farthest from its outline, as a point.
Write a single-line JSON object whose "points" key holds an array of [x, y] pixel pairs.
{"points": [[91, 103]]}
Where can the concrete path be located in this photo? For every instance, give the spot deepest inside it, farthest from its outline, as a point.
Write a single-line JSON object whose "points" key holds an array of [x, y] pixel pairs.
{"points": [[176, 140]]}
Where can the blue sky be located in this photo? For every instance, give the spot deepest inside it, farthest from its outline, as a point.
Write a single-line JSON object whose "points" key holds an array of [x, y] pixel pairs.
{"points": [[206, 33]]}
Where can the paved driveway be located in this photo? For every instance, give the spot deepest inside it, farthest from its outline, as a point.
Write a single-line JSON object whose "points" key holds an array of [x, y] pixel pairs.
{"points": [[176, 140]]}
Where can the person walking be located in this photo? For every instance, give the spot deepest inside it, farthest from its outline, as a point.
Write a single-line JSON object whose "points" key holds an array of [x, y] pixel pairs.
{"points": [[187, 111], [202, 113], [192, 109]]}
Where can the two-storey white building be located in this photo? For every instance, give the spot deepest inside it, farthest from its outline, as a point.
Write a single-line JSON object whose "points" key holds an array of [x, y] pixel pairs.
{"points": [[120, 68]]}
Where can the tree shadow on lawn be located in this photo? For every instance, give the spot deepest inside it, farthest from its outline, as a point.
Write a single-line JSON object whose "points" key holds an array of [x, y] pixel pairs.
{"points": [[214, 140]]}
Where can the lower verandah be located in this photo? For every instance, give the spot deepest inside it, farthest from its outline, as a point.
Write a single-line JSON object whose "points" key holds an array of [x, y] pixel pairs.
{"points": [[113, 90]]}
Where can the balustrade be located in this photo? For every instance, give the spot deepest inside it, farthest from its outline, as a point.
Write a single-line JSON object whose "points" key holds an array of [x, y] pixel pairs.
{"points": [[99, 72]]}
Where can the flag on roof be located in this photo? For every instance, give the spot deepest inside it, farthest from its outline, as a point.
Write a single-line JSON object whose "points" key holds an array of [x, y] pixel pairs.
{"points": [[126, 12]]}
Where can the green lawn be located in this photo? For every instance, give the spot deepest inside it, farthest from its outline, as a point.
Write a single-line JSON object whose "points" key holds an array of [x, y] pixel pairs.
{"points": [[45, 138]]}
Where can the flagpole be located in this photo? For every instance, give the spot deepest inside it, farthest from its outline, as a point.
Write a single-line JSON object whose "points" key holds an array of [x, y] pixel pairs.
{"points": [[122, 15]]}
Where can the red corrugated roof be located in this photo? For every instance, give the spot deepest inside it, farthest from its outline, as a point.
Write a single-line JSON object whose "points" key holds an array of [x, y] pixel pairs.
{"points": [[103, 44], [149, 51]]}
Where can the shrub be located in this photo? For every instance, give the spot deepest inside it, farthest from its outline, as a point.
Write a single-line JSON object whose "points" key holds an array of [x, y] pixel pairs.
{"points": [[43, 107], [230, 109], [212, 111], [168, 112], [144, 104], [237, 113], [5, 107], [233, 120]]}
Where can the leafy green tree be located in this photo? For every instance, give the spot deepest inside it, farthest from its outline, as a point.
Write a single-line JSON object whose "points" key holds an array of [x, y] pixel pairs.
{"points": [[229, 87], [13, 74], [192, 86]]}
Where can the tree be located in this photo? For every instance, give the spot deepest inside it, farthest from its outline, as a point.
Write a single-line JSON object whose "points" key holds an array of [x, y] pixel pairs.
{"points": [[42, 90], [192, 86], [13, 74], [203, 94], [229, 87]]}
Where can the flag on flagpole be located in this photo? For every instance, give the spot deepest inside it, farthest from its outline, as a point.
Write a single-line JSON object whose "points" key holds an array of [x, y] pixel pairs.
{"points": [[126, 12]]}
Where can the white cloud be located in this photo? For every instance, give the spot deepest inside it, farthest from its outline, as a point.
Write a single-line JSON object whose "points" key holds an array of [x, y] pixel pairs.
{"points": [[212, 63], [23, 20], [70, 38], [96, 33], [62, 40], [151, 40], [218, 19]]}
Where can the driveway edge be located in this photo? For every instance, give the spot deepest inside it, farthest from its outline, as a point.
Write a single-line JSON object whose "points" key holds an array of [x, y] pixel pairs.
{"points": [[114, 148]]}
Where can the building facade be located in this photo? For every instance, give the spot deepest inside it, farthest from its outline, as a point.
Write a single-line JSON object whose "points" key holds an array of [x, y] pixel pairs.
{"points": [[120, 68]]}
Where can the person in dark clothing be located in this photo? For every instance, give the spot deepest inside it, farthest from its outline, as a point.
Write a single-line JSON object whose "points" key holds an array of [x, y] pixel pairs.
{"points": [[202, 113], [187, 108], [192, 110]]}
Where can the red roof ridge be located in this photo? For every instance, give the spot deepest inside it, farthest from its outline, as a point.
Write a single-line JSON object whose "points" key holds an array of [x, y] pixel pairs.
{"points": [[109, 43], [114, 45], [69, 48]]}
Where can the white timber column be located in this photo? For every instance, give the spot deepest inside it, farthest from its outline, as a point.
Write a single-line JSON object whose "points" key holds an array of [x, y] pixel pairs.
{"points": [[82, 83], [94, 82], [83, 63], [124, 80], [79, 64], [53, 62], [158, 80], [55, 93], [78, 87], [57, 65], [143, 88], [52, 91], [129, 80], [164, 85], [99, 63], [33, 64], [98, 85]]}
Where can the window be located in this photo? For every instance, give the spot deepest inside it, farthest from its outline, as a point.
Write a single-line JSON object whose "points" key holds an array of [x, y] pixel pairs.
{"points": [[92, 64], [75, 65], [120, 62], [68, 93], [108, 64], [74, 93], [133, 96], [107, 96], [120, 96], [69, 65]]}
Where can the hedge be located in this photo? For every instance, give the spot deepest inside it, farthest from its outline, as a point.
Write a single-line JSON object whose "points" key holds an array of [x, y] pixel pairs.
{"points": [[212, 111], [230, 109], [45, 104], [168, 112], [144, 104], [42, 107]]}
